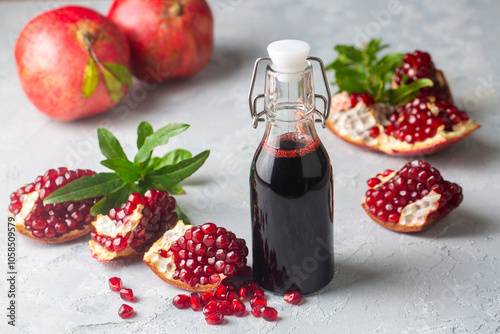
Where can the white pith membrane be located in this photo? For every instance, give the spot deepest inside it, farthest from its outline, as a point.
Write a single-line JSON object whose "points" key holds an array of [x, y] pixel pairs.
{"points": [[28, 204], [105, 226], [414, 214], [165, 266], [354, 125]]}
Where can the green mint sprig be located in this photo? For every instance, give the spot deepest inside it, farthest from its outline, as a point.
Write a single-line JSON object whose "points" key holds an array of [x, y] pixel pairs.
{"points": [[143, 173], [361, 70]]}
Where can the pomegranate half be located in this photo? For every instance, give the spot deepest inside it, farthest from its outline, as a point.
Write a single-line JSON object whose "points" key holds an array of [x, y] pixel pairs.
{"points": [[411, 199], [169, 39], [52, 56]]}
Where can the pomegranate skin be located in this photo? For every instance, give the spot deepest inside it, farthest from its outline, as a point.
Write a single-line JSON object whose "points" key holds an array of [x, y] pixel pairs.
{"points": [[168, 39], [51, 56]]}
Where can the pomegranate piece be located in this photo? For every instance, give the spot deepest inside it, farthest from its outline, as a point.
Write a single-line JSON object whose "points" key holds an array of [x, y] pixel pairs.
{"points": [[238, 308], [115, 283], [59, 40], [422, 126], [411, 199], [198, 258], [294, 297], [225, 307], [206, 297], [127, 294], [168, 39], [126, 311], [181, 301], [128, 231], [215, 318], [419, 65], [244, 292], [258, 293], [258, 301], [51, 223], [269, 313]]}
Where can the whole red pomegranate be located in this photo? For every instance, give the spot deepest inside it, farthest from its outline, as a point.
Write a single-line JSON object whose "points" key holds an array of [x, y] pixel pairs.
{"points": [[73, 62], [168, 39]]}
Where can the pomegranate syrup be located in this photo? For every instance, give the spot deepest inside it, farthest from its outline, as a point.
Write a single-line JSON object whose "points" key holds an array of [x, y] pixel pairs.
{"points": [[292, 214]]}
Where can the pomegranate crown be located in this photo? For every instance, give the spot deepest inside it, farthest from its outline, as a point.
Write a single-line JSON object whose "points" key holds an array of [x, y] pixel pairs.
{"points": [[362, 71], [144, 173]]}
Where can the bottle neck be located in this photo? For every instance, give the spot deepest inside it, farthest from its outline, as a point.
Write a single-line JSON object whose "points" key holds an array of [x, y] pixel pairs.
{"points": [[289, 106]]}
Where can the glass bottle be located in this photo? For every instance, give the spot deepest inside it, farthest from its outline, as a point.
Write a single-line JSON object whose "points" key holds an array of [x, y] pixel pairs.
{"points": [[291, 179]]}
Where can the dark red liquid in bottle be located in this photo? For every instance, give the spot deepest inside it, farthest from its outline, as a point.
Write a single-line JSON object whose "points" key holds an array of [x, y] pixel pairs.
{"points": [[291, 186]]}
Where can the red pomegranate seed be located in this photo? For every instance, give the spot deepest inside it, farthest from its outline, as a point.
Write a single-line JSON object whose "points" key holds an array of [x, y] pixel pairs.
{"points": [[210, 308], [258, 301], [256, 310], [206, 297], [125, 311], [181, 301], [269, 313], [231, 287], [238, 308], [294, 297], [372, 182], [120, 243], [115, 283], [220, 293], [259, 293], [251, 285], [215, 318], [195, 302], [231, 296], [224, 307], [127, 294], [244, 292]]}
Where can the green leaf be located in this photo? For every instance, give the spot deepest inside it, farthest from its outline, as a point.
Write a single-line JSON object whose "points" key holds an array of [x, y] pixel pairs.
{"points": [[143, 131], [86, 187], [349, 52], [173, 157], [112, 200], [176, 173], [90, 78], [159, 138], [174, 189], [181, 215], [120, 72], [113, 85], [127, 170], [109, 145], [405, 93]]}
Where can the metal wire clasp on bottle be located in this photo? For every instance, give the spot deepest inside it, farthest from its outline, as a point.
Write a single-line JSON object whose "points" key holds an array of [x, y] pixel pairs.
{"points": [[252, 101]]}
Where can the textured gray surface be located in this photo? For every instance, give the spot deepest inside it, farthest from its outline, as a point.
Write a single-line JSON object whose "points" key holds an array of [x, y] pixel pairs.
{"points": [[445, 280]]}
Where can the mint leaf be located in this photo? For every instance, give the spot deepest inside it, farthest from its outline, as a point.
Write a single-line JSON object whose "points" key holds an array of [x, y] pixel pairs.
{"points": [[90, 78], [127, 170], [173, 157], [112, 200], [113, 85], [86, 187], [109, 145], [170, 174], [408, 92], [181, 215], [174, 189], [120, 72], [143, 131], [159, 138]]}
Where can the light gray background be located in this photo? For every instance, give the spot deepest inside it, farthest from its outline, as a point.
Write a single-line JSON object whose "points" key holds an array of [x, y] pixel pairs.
{"points": [[445, 280]]}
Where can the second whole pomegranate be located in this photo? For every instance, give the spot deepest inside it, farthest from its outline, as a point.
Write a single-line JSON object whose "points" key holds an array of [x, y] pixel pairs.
{"points": [[168, 39]]}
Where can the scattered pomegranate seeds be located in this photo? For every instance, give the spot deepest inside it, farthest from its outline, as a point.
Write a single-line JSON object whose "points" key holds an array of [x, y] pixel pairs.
{"points": [[115, 283], [181, 301], [215, 318], [127, 294], [125, 311], [215, 307], [294, 298], [269, 313]]}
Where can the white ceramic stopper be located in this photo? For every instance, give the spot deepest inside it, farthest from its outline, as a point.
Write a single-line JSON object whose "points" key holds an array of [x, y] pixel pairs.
{"points": [[289, 55]]}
